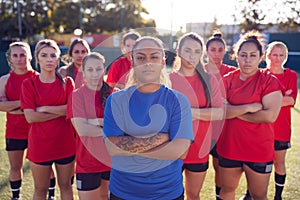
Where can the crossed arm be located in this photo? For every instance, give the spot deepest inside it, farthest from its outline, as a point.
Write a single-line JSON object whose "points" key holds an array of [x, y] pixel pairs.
{"points": [[44, 113], [157, 146], [5, 105], [265, 112], [88, 127]]}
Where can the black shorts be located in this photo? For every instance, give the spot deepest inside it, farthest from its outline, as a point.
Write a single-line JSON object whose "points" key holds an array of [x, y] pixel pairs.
{"points": [[281, 145], [196, 167], [259, 167], [213, 149], [62, 161], [114, 197], [90, 181], [16, 144]]}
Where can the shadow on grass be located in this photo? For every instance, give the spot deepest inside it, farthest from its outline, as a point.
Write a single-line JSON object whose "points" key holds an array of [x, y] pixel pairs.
{"points": [[5, 182]]}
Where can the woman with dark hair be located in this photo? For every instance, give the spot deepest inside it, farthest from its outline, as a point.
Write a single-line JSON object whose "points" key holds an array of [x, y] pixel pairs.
{"points": [[85, 109], [79, 48], [215, 50], [51, 137], [202, 91], [147, 130], [119, 69], [254, 99]]}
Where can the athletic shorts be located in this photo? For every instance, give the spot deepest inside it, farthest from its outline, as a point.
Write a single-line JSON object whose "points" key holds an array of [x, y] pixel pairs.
{"points": [[62, 161], [213, 149], [202, 167], [90, 181], [281, 145], [114, 197], [259, 167], [16, 144]]}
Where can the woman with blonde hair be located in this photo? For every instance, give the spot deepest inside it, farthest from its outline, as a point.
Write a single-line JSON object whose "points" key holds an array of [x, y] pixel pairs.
{"points": [[51, 137], [276, 57]]}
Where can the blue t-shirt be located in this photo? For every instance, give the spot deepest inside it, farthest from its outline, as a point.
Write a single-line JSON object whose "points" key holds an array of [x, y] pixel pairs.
{"points": [[130, 112]]}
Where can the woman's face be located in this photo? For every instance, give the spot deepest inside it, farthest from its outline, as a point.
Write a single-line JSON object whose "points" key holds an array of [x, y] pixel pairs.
{"points": [[78, 53], [277, 57], [94, 71], [148, 62], [128, 45], [190, 53], [248, 59], [19, 58], [216, 53], [48, 59]]}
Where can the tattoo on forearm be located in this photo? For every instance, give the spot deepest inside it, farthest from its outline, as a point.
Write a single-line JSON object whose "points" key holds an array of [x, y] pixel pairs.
{"points": [[138, 145]]}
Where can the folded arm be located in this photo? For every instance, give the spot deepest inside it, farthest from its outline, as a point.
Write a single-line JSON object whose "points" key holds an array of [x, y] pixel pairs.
{"points": [[57, 110], [87, 127], [129, 145], [6, 105], [34, 116], [207, 114], [271, 107], [172, 150]]}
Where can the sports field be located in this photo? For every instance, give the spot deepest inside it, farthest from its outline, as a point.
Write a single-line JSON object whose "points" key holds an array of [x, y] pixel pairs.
{"points": [[291, 191]]}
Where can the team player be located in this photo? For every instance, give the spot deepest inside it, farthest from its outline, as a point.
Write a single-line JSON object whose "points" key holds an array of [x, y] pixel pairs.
{"points": [[276, 57], [86, 108], [51, 139], [19, 58], [79, 48], [254, 98], [215, 50], [202, 91], [147, 129], [119, 69]]}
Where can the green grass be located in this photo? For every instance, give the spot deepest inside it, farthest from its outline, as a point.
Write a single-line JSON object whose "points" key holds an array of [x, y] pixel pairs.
{"points": [[291, 190]]}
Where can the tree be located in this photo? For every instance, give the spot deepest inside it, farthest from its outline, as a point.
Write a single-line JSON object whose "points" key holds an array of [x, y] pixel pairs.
{"points": [[55, 16], [259, 14], [33, 14], [115, 16], [252, 13]]}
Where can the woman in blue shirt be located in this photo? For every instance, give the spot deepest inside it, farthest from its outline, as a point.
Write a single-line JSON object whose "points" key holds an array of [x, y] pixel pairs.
{"points": [[147, 130]]}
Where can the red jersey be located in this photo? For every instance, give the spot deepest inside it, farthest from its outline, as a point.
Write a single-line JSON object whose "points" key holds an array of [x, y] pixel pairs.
{"points": [[192, 88], [79, 80], [118, 71], [52, 139], [219, 124], [91, 152], [242, 140], [16, 125], [282, 125]]}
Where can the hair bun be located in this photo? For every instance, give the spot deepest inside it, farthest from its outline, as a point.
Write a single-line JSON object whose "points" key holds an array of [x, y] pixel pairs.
{"points": [[217, 35]]}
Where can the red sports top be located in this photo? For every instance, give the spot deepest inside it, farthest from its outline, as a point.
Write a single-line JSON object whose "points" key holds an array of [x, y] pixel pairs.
{"points": [[282, 125], [118, 71], [219, 124], [52, 139], [79, 80], [91, 152], [192, 88], [16, 125], [242, 140]]}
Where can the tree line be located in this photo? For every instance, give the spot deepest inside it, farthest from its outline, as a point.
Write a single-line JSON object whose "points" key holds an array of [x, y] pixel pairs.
{"points": [[26, 18]]}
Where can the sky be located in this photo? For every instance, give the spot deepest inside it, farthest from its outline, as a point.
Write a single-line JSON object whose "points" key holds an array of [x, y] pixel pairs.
{"points": [[173, 14]]}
